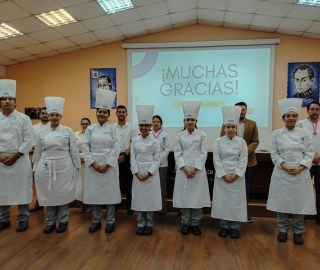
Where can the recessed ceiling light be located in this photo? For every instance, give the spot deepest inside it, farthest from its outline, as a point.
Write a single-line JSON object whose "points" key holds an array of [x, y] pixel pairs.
{"points": [[7, 31], [56, 18], [113, 6], [309, 2]]}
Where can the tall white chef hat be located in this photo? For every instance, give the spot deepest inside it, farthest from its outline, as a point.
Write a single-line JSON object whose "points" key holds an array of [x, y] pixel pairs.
{"points": [[54, 104], [8, 88], [290, 105], [145, 114], [231, 114], [191, 109], [104, 99]]}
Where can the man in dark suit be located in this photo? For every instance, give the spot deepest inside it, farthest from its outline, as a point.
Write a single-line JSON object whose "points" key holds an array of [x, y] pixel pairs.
{"points": [[247, 129]]}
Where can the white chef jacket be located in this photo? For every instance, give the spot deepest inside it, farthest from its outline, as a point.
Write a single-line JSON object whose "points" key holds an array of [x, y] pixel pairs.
{"points": [[164, 141], [56, 165], [307, 124], [79, 140], [230, 156], [101, 145], [191, 150], [39, 127], [144, 158], [291, 193], [16, 135]]}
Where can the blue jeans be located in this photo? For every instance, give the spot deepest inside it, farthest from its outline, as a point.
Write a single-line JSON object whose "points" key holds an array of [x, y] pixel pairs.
{"points": [[22, 216], [297, 225], [97, 213], [55, 213], [228, 224], [145, 218], [191, 216]]}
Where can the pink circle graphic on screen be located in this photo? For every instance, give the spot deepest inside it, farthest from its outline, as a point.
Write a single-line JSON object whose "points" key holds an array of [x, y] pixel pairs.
{"points": [[147, 63]]}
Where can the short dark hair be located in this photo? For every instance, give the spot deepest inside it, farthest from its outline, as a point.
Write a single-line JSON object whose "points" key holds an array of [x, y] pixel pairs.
{"points": [[159, 117], [104, 109], [121, 107], [241, 104], [307, 68], [313, 102], [44, 108], [85, 118]]}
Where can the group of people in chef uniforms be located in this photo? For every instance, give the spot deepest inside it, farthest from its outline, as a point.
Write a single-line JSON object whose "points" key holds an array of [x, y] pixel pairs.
{"points": [[57, 168]]}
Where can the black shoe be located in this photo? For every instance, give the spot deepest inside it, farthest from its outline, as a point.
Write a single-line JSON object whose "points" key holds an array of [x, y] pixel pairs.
{"points": [[282, 237], [62, 227], [185, 229], [234, 234], [35, 207], [49, 228], [130, 212], [109, 228], [297, 239], [223, 232], [249, 220], [23, 226], [140, 231], [160, 213], [148, 230], [318, 221], [4, 225], [196, 230], [94, 227]]}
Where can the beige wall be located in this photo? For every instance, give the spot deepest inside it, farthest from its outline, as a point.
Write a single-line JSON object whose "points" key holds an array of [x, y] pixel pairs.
{"points": [[67, 75]]}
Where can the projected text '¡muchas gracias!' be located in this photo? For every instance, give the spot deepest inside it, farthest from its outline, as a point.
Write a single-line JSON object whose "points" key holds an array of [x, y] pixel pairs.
{"points": [[199, 80]]}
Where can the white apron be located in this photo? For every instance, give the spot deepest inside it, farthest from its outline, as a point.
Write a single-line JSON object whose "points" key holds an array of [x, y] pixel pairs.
{"points": [[191, 150], [56, 177], [229, 200], [79, 140], [291, 193], [101, 146], [144, 158], [16, 135]]}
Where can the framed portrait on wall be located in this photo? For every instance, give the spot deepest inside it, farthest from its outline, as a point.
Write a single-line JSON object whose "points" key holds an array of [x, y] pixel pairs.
{"points": [[102, 78], [303, 81]]}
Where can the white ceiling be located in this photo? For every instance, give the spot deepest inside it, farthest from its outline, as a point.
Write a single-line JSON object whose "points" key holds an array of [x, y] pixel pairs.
{"points": [[94, 27]]}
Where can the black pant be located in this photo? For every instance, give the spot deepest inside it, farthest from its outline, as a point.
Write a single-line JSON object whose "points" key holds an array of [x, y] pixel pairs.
{"points": [[125, 170], [315, 173]]}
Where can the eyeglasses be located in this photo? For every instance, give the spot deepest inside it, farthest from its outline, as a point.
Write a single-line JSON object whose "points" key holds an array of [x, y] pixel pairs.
{"points": [[314, 109], [85, 124]]}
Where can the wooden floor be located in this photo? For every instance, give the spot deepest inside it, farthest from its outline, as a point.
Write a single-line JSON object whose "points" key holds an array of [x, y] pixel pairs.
{"points": [[257, 247]]}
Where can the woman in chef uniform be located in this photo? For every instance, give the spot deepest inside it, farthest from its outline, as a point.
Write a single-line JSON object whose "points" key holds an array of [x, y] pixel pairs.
{"points": [[84, 123], [191, 190], [145, 161], [230, 161], [56, 166], [163, 139], [101, 150], [291, 192]]}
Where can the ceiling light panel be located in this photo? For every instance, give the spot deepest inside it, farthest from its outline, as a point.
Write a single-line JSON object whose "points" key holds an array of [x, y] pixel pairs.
{"points": [[56, 18], [113, 6], [309, 2], [7, 31]]}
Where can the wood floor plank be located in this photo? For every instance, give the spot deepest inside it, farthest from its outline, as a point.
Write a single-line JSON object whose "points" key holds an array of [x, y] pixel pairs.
{"points": [[257, 247]]}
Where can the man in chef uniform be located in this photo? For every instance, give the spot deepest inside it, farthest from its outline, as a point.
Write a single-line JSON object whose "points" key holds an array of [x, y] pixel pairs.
{"points": [[16, 140], [311, 124], [290, 192], [191, 190]]}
